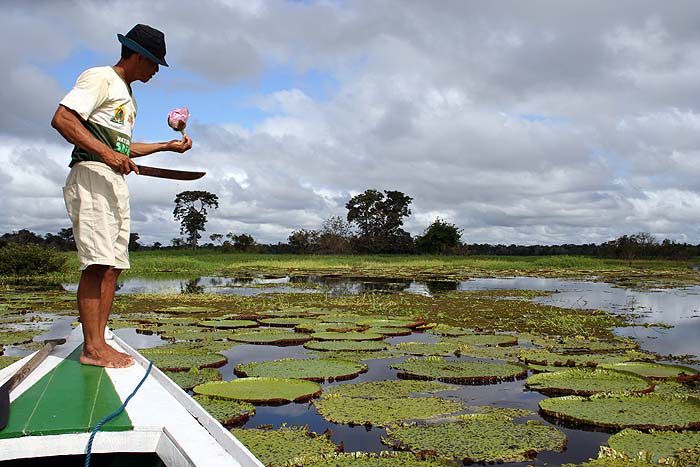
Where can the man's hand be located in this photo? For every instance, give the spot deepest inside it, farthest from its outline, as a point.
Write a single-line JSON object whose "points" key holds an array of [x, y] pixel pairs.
{"points": [[119, 162], [179, 145]]}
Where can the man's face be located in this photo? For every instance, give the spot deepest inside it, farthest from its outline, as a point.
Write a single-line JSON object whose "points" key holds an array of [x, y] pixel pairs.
{"points": [[147, 69]]}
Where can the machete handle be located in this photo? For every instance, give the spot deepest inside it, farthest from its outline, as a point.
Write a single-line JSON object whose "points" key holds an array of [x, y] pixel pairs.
{"points": [[31, 365]]}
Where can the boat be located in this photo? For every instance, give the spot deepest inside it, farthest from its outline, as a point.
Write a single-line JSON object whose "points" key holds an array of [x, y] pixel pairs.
{"points": [[54, 412]]}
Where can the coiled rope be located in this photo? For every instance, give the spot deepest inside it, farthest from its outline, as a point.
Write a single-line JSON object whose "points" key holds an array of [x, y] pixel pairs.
{"points": [[88, 449]]}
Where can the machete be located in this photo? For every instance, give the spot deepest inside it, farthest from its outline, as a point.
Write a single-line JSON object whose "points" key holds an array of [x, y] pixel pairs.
{"points": [[169, 173]]}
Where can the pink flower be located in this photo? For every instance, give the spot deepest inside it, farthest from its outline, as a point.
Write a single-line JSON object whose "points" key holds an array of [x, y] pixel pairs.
{"points": [[177, 119]]}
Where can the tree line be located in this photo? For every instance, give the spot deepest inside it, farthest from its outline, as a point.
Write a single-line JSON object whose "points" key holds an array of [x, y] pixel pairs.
{"points": [[373, 225]]}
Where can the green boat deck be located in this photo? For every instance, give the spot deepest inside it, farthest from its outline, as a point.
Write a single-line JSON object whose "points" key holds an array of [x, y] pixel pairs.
{"points": [[71, 398]]}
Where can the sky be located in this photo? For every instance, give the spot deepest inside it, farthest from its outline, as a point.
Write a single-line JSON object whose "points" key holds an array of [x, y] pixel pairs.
{"points": [[519, 121]]}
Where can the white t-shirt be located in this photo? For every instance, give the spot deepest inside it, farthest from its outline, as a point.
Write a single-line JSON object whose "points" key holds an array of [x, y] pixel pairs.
{"points": [[104, 102]]}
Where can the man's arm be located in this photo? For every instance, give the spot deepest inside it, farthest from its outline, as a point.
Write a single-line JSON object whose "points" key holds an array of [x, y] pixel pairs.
{"points": [[70, 126], [176, 145]]}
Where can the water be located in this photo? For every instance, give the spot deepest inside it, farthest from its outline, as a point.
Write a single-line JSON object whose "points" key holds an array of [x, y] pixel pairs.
{"points": [[679, 308]]}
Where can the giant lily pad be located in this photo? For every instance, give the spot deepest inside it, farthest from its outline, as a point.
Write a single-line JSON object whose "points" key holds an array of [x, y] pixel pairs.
{"points": [[478, 438], [391, 322], [227, 412], [347, 346], [183, 362], [332, 327], [189, 379], [423, 348], [460, 371], [382, 411], [584, 382], [287, 446], [7, 361], [545, 357], [230, 323], [483, 339], [659, 444], [187, 309], [584, 344], [346, 336], [286, 321], [17, 337], [311, 369], [271, 337], [644, 412], [261, 390], [656, 370], [383, 459], [389, 389]]}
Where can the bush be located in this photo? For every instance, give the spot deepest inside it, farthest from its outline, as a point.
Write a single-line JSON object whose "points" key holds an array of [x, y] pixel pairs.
{"points": [[29, 259], [440, 238]]}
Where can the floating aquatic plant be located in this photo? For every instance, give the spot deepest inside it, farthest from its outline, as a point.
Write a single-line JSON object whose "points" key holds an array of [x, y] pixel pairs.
{"points": [[391, 322], [227, 412], [346, 336], [460, 371], [7, 361], [261, 390], [333, 327], [189, 379], [186, 309], [389, 389], [286, 321], [483, 339], [478, 438], [390, 331], [656, 370], [347, 346], [423, 348], [230, 323], [265, 337], [382, 411], [584, 344], [17, 337], [183, 362], [510, 352], [585, 382], [311, 369], [547, 358], [615, 411], [383, 459], [657, 444], [287, 446]]}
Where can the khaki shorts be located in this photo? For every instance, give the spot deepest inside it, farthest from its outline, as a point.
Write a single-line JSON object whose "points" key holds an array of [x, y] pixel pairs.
{"points": [[97, 201]]}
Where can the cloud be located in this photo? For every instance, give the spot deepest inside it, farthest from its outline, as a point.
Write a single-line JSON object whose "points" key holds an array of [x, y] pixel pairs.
{"points": [[538, 122]]}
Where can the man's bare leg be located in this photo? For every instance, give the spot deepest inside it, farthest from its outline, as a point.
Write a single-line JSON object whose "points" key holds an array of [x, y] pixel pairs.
{"points": [[108, 289], [95, 349]]}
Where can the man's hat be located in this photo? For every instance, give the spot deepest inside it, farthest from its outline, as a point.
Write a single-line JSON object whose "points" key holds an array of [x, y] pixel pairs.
{"points": [[146, 41]]}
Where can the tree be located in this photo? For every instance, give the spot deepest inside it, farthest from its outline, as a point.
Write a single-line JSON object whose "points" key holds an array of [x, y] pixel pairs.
{"points": [[191, 217], [334, 236], [303, 241], [216, 237], [242, 242], [379, 217], [439, 237]]}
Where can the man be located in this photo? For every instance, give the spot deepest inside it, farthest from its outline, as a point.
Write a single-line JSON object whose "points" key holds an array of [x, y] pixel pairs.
{"points": [[97, 116]]}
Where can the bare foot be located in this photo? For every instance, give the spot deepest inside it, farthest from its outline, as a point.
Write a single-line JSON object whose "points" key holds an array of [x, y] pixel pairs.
{"points": [[120, 355], [105, 358]]}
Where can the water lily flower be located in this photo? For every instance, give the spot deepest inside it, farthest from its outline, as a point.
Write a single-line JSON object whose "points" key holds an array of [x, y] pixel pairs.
{"points": [[177, 119]]}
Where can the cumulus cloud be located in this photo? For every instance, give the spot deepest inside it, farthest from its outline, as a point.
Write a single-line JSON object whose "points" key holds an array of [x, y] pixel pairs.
{"points": [[538, 122]]}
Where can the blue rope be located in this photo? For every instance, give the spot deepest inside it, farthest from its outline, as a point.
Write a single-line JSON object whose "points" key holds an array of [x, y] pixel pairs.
{"points": [[109, 417]]}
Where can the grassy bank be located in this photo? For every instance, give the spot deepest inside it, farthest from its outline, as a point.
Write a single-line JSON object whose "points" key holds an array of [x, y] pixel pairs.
{"points": [[207, 262]]}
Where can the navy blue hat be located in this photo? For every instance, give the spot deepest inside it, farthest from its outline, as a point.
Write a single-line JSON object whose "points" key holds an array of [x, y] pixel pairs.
{"points": [[146, 41]]}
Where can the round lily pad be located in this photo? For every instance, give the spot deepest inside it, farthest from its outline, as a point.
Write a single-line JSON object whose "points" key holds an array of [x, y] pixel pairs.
{"points": [[510, 352], [188, 348], [187, 309], [227, 412], [482, 438], [347, 346], [333, 327], [391, 322], [655, 370], [460, 371], [584, 382], [261, 390], [286, 446], [389, 389], [643, 412], [265, 337], [547, 358], [286, 321], [423, 348], [383, 459], [659, 444], [17, 337], [483, 339], [189, 379], [311, 369], [447, 330], [183, 362], [7, 361], [390, 331], [584, 344], [229, 323], [382, 411], [346, 336]]}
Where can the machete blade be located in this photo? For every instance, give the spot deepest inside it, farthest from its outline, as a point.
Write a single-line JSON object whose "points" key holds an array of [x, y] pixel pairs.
{"points": [[169, 173]]}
